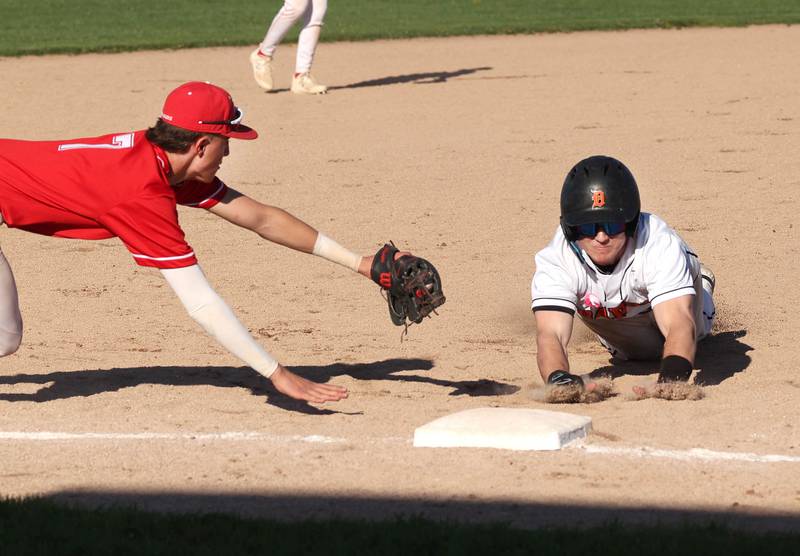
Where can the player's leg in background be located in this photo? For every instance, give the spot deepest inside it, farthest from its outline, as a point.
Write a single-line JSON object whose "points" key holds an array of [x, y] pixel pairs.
{"points": [[705, 312], [261, 57], [313, 20], [303, 82], [291, 11], [10, 317]]}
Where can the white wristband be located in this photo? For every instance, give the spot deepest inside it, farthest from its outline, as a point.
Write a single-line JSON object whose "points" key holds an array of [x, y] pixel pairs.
{"points": [[328, 249]]}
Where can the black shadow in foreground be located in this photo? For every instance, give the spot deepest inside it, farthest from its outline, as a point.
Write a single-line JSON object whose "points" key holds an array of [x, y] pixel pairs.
{"points": [[526, 515]]}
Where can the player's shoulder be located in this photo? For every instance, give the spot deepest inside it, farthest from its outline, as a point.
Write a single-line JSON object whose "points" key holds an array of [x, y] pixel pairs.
{"points": [[126, 159], [113, 141], [657, 241], [653, 221], [653, 229]]}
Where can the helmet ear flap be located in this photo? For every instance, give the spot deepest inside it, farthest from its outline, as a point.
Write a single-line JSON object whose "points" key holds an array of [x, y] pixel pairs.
{"points": [[630, 227], [569, 231]]}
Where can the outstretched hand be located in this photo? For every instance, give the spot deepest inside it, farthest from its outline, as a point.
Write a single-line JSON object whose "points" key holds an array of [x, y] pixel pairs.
{"points": [[669, 390], [582, 390], [297, 387]]}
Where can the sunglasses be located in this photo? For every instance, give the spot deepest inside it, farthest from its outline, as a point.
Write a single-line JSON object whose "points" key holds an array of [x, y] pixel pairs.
{"points": [[237, 119], [591, 230]]}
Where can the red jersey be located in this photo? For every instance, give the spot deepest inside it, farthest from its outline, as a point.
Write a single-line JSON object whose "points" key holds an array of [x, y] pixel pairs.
{"points": [[98, 188]]}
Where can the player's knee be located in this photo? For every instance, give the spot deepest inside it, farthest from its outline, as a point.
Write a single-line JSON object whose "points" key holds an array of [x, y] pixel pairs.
{"points": [[9, 342], [296, 8]]}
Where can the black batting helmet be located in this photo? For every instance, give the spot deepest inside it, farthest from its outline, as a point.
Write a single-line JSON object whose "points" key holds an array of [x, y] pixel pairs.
{"points": [[599, 189]]}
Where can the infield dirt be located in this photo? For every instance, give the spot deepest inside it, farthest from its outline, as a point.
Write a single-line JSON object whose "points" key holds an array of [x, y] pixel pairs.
{"points": [[456, 149]]}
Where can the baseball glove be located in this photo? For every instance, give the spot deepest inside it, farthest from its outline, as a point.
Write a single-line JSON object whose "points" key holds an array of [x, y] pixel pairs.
{"points": [[412, 285]]}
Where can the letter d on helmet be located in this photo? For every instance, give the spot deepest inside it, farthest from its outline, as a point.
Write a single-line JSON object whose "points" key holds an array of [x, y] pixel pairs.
{"points": [[599, 189]]}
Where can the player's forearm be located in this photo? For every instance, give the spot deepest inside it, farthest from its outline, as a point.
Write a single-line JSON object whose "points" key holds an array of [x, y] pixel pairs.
{"points": [[675, 320], [218, 320], [681, 342], [551, 355], [285, 229], [212, 313]]}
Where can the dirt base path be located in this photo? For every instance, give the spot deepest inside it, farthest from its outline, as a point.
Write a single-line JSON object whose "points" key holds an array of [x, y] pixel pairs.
{"points": [[455, 148]]}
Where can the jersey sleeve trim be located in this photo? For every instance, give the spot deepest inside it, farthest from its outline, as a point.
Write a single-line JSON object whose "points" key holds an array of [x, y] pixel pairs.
{"points": [[672, 294], [175, 258], [163, 263], [552, 302], [558, 308], [212, 199]]}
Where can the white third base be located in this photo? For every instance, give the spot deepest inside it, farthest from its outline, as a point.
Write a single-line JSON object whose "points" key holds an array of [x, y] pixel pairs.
{"points": [[505, 428]]}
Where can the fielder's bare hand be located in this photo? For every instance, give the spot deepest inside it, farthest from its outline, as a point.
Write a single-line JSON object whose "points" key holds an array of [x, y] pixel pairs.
{"points": [[294, 386]]}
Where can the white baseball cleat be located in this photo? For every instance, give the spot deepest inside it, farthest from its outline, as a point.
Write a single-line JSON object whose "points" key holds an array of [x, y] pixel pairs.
{"points": [[305, 84], [262, 69]]}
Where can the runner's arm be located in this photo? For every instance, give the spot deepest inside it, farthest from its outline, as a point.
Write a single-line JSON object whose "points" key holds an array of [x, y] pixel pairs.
{"points": [[675, 320], [553, 332]]}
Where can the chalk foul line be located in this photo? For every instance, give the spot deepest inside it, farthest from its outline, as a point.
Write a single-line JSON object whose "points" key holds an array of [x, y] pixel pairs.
{"points": [[693, 454], [49, 436]]}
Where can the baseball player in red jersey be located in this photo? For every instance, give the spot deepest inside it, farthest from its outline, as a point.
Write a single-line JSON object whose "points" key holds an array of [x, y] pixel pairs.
{"points": [[630, 278], [128, 185]]}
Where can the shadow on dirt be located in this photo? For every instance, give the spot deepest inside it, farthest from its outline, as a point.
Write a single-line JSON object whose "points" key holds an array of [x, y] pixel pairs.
{"points": [[384, 370], [424, 78], [523, 514], [719, 357], [69, 384]]}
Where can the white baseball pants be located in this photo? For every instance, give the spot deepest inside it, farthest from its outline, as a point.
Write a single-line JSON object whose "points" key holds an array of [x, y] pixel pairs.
{"points": [[639, 338], [10, 317], [312, 13]]}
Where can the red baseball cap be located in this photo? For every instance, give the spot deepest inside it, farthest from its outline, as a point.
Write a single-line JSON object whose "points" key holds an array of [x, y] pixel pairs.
{"points": [[205, 108]]}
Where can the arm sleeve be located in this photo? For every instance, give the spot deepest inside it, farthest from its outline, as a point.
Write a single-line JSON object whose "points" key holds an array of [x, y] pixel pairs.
{"points": [[211, 312]]}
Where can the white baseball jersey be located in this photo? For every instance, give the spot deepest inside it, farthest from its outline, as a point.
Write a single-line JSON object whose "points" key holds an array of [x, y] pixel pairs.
{"points": [[655, 267]]}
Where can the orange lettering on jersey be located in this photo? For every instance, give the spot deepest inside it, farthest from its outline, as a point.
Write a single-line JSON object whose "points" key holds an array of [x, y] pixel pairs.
{"points": [[598, 199]]}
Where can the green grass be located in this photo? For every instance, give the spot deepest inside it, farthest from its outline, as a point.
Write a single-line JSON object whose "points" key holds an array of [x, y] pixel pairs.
{"points": [[74, 26], [41, 527]]}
